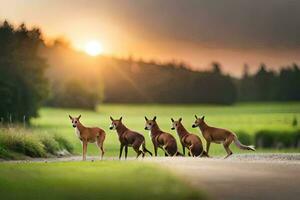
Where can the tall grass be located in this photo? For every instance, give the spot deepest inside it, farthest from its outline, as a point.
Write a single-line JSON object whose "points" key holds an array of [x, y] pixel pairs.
{"points": [[17, 142], [64, 143]]}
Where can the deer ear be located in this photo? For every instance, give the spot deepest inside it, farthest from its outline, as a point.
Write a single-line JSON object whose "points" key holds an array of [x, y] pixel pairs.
{"points": [[154, 118], [121, 118], [146, 118], [196, 117], [203, 117], [180, 119], [111, 118], [172, 119], [79, 116], [70, 117]]}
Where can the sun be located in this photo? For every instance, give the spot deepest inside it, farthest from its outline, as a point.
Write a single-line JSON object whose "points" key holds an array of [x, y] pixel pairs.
{"points": [[93, 48]]}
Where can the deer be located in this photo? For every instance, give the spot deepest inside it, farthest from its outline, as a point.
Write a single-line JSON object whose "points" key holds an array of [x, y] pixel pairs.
{"points": [[188, 140], [161, 139], [129, 138], [88, 135], [219, 136]]}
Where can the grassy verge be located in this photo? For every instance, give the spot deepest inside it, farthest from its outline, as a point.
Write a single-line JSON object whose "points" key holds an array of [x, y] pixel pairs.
{"points": [[91, 180], [17, 143], [241, 118]]}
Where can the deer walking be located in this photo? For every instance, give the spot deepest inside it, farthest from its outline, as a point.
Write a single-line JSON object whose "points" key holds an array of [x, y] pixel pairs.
{"points": [[129, 138], [161, 139], [219, 135], [190, 141]]}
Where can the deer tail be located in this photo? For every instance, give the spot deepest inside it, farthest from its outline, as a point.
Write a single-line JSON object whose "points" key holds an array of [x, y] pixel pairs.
{"points": [[242, 146]]}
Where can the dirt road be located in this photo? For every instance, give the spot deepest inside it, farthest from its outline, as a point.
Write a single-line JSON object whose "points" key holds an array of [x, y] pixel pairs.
{"points": [[266, 176], [245, 176]]}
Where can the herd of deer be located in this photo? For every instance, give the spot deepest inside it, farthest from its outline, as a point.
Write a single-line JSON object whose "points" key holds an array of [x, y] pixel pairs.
{"points": [[159, 138]]}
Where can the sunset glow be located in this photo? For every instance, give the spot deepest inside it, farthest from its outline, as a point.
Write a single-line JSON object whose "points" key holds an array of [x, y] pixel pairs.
{"points": [[150, 35], [93, 48]]}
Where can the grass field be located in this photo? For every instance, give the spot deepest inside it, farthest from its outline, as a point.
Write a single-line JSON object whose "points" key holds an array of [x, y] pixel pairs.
{"points": [[130, 179], [241, 117], [91, 180]]}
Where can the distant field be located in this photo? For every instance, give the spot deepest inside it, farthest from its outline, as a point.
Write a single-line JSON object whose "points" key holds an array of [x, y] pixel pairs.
{"points": [[91, 180], [241, 117]]}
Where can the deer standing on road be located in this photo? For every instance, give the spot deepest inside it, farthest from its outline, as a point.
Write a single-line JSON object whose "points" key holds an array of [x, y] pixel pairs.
{"points": [[129, 138], [161, 139], [88, 135], [190, 141]]}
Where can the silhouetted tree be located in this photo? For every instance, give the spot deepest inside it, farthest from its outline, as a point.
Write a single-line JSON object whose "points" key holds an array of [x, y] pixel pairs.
{"points": [[23, 85], [74, 94], [289, 83], [166, 83], [266, 85], [245, 71], [216, 68]]}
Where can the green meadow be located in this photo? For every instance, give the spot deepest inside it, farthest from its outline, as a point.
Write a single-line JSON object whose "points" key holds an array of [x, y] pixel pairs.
{"points": [[111, 179], [91, 180], [246, 117]]}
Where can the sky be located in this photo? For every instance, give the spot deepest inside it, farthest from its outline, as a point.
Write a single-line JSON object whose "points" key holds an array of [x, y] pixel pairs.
{"points": [[198, 32]]}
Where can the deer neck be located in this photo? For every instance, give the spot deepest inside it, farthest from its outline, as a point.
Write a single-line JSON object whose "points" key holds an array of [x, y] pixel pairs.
{"points": [[181, 131], [121, 129], [79, 129], [155, 130], [203, 126], [80, 126]]}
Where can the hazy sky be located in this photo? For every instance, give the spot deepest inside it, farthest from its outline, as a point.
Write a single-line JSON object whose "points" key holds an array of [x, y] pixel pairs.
{"points": [[232, 32]]}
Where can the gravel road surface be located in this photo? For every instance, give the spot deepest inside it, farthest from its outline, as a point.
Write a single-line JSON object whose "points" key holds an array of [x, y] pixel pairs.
{"points": [[242, 176]]}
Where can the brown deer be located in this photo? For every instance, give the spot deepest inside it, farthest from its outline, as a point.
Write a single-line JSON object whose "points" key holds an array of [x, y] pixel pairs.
{"points": [[190, 141], [129, 138], [88, 135], [161, 139], [219, 135]]}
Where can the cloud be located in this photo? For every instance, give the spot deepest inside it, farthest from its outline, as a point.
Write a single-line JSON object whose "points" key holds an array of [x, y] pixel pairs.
{"points": [[197, 31], [213, 23], [225, 23]]}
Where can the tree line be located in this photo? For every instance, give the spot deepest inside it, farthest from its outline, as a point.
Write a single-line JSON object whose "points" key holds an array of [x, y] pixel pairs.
{"points": [[140, 82], [148, 82], [34, 74], [23, 84], [267, 85]]}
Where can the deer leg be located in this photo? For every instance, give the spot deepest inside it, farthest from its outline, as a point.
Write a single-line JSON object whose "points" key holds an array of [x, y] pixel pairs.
{"points": [[142, 149], [191, 150], [192, 154], [137, 148], [138, 151], [145, 149], [183, 149], [166, 152], [155, 149], [121, 150], [126, 151], [207, 146], [165, 148], [226, 146], [100, 146], [84, 149]]}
